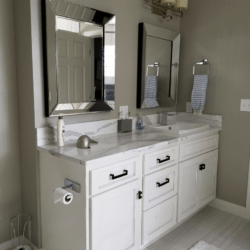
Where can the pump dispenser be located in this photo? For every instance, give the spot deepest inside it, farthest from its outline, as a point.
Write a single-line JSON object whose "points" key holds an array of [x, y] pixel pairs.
{"points": [[60, 131]]}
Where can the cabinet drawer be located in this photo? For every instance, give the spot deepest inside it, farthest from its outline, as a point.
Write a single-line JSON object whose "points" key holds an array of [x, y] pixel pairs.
{"points": [[198, 147], [159, 186], [105, 178], [160, 159], [159, 219]]}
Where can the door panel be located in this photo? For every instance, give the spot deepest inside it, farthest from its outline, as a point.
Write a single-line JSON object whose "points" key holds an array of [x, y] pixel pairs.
{"points": [[73, 52], [115, 219], [207, 178], [187, 188]]}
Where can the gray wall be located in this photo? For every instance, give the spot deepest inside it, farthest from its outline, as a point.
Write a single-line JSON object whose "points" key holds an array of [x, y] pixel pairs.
{"points": [[129, 14], [219, 31], [10, 187], [28, 153]]}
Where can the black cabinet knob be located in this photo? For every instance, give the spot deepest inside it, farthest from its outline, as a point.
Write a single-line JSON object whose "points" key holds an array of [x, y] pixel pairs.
{"points": [[202, 166], [139, 195]]}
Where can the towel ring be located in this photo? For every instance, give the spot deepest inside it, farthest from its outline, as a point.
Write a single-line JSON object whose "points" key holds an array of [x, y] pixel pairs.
{"points": [[203, 62], [156, 64]]}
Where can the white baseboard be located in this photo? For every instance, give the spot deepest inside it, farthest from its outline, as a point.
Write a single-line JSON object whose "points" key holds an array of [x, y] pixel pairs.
{"points": [[229, 207], [7, 246]]}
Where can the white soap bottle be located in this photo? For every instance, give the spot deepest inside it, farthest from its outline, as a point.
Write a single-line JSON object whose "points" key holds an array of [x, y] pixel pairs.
{"points": [[60, 131]]}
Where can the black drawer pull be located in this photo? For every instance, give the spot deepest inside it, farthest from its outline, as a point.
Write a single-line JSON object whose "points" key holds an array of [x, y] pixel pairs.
{"points": [[113, 177], [161, 161], [202, 166], [162, 184], [139, 195]]}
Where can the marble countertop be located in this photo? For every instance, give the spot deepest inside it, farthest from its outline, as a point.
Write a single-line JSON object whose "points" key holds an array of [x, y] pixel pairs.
{"points": [[115, 144]]}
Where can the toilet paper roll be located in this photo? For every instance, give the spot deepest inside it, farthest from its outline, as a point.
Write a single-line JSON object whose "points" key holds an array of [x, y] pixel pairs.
{"points": [[63, 196]]}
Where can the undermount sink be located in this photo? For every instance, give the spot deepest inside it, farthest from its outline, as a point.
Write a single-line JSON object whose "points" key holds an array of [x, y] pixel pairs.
{"points": [[182, 128]]}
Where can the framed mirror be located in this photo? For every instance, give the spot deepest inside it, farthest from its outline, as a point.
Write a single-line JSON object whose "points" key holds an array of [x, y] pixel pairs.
{"points": [[79, 58], [158, 67]]}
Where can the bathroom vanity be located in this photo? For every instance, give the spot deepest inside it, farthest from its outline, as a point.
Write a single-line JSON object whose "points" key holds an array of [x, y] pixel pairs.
{"points": [[135, 188]]}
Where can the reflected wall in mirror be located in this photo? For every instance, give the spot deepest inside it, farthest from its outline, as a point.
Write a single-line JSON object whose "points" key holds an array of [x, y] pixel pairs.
{"points": [[158, 67], [79, 60]]}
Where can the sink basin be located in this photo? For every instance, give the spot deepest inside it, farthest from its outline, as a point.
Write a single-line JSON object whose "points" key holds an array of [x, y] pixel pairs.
{"points": [[182, 128]]}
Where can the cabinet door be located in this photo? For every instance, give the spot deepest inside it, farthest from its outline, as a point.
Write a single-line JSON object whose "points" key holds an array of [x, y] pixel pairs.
{"points": [[187, 188], [207, 177], [115, 219]]}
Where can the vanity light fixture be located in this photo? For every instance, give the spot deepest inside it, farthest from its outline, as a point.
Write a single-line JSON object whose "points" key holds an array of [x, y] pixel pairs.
{"points": [[168, 8]]}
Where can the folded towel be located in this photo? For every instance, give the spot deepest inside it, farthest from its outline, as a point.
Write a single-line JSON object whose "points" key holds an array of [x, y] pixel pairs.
{"points": [[199, 92], [151, 92]]}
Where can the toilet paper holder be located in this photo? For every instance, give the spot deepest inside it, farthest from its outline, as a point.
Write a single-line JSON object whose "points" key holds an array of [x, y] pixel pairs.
{"points": [[72, 185]]}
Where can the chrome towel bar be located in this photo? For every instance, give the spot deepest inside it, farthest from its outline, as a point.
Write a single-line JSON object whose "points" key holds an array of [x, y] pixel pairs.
{"points": [[203, 62], [156, 64]]}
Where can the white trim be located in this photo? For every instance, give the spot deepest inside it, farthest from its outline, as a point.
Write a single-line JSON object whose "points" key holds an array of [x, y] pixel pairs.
{"points": [[248, 196], [228, 207], [6, 245]]}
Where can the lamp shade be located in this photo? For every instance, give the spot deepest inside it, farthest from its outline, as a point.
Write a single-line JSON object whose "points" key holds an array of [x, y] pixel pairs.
{"points": [[167, 2], [182, 4]]}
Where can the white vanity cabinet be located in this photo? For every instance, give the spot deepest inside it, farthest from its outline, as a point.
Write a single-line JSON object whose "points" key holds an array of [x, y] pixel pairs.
{"points": [[127, 202]]}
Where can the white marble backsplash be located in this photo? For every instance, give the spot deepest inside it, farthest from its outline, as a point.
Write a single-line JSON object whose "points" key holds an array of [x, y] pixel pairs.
{"points": [[74, 131]]}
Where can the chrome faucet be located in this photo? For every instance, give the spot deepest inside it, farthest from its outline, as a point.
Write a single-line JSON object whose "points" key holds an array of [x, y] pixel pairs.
{"points": [[168, 118]]}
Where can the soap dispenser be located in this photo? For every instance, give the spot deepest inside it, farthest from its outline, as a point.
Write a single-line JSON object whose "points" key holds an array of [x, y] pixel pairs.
{"points": [[60, 131], [139, 123]]}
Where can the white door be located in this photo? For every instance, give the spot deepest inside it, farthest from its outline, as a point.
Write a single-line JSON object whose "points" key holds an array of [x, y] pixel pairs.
{"points": [[187, 188], [74, 67], [207, 175], [115, 219]]}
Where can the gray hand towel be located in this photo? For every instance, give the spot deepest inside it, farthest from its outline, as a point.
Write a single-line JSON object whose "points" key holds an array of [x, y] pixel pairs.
{"points": [[151, 92], [199, 92]]}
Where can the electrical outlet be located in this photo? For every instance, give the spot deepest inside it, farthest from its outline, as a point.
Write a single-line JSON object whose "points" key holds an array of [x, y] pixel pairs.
{"points": [[189, 108], [245, 105], [123, 112]]}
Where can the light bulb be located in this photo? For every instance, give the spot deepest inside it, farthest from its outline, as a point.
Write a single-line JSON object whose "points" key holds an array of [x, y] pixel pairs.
{"points": [[182, 4]]}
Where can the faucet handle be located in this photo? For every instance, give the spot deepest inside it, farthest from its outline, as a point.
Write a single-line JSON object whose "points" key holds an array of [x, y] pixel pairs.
{"points": [[168, 118]]}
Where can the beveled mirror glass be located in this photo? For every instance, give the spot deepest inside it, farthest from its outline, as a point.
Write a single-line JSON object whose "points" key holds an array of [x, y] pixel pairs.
{"points": [[79, 60], [158, 67]]}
